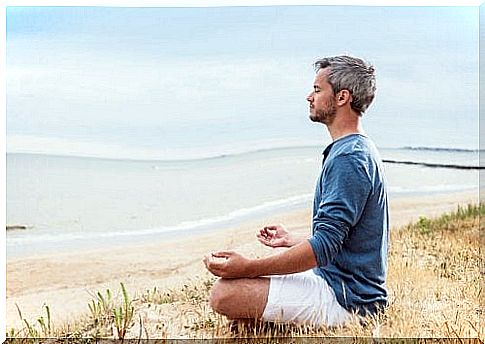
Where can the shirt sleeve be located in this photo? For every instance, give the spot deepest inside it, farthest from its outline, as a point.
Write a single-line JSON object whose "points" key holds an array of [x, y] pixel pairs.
{"points": [[346, 188]]}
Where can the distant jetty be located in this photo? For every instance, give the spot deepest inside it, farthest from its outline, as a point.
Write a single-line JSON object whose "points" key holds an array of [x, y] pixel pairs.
{"points": [[458, 167], [17, 227]]}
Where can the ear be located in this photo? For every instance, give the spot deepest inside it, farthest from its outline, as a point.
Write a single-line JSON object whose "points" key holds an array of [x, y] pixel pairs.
{"points": [[343, 97]]}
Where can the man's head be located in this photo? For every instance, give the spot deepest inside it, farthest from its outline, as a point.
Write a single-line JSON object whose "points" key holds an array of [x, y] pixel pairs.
{"points": [[341, 80]]}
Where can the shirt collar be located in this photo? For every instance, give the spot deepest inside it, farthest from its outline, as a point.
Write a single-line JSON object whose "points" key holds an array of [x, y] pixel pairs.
{"points": [[340, 139]]}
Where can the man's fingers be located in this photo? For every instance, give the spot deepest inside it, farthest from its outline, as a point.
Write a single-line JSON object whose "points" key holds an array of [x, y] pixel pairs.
{"points": [[208, 262], [263, 240], [267, 242], [213, 266], [222, 254], [268, 232], [213, 271], [262, 237]]}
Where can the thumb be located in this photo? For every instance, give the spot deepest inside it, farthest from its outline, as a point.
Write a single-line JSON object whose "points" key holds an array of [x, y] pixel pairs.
{"points": [[222, 254]]}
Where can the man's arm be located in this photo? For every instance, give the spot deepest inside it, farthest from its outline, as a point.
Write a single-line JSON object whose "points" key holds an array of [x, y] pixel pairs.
{"points": [[229, 264], [346, 188]]}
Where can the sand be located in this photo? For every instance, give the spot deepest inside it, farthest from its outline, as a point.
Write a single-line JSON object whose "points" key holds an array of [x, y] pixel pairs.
{"points": [[67, 281]]}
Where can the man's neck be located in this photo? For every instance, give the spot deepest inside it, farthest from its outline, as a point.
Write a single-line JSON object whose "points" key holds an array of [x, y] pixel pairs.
{"points": [[338, 133]]}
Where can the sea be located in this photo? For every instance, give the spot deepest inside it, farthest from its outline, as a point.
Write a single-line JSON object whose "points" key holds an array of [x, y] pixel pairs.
{"points": [[69, 201]]}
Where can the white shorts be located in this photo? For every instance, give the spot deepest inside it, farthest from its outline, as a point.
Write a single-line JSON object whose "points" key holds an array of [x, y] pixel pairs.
{"points": [[303, 298]]}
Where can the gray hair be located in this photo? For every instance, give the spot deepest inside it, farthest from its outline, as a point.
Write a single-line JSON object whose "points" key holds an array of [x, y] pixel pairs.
{"points": [[352, 74]]}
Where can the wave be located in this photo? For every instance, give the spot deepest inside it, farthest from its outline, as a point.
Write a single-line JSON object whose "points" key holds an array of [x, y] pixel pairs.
{"points": [[207, 223], [19, 241], [24, 238]]}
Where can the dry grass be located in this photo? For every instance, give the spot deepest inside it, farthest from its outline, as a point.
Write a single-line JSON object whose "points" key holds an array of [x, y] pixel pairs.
{"points": [[434, 281]]}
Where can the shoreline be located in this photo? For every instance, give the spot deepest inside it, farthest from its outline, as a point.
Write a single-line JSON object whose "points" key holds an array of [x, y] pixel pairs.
{"points": [[94, 241], [67, 281]]}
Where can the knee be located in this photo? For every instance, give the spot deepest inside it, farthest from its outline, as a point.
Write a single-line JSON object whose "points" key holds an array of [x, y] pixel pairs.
{"points": [[221, 296]]}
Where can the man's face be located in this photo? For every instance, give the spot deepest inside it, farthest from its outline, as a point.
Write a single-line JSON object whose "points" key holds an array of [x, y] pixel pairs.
{"points": [[321, 100]]}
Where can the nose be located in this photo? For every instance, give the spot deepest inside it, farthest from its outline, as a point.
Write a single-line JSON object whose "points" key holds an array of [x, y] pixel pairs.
{"points": [[309, 97]]}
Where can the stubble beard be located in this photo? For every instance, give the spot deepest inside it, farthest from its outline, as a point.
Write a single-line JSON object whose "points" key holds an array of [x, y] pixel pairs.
{"points": [[327, 114]]}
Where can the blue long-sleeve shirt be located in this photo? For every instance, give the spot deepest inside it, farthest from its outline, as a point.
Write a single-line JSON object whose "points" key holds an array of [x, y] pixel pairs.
{"points": [[351, 224]]}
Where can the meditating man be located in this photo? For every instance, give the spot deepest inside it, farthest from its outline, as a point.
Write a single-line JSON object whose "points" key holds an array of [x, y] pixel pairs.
{"points": [[341, 268]]}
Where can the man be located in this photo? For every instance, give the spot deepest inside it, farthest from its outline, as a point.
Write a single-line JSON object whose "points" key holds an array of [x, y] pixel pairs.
{"points": [[341, 268]]}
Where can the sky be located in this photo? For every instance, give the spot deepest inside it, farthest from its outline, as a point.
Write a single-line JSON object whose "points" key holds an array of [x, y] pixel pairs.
{"points": [[155, 79]]}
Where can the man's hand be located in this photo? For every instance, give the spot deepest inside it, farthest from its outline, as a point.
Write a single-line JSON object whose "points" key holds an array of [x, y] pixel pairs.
{"points": [[276, 236], [228, 264]]}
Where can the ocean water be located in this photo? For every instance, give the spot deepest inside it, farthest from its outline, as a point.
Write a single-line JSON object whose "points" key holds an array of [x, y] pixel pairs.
{"points": [[69, 201]]}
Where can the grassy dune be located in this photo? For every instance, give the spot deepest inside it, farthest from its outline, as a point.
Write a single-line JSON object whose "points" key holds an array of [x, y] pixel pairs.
{"points": [[434, 280]]}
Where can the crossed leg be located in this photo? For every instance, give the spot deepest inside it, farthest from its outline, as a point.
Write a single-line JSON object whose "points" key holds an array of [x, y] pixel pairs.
{"points": [[242, 298]]}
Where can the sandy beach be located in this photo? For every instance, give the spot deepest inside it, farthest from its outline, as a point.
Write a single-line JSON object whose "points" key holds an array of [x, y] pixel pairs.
{"points": [[66, 282]]}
